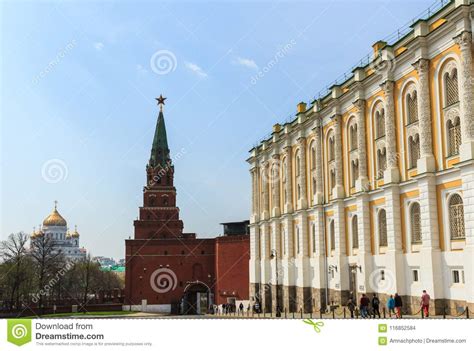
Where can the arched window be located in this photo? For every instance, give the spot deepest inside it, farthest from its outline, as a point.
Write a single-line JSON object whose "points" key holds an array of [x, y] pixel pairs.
{"points": [[354, 171], [454, 136], [355, 233], [353, 137], [414, 150], [382, 162], [451, 87], [314, 185], [313, 229], [380, 123], [299, 191], [382, 222], [331, 149], [333, 235], [412, 107], [456, 217], [415, 221]]}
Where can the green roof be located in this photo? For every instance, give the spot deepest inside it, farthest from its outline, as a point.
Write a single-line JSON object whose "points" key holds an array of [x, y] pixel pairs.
{"points": [[160, 153], [117, 269]]}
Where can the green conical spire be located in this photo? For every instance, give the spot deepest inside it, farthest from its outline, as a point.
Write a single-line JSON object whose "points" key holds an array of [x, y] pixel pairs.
{"points": [[160, 153]]}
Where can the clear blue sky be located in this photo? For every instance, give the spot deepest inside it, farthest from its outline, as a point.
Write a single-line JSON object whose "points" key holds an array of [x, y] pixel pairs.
{"points": [[78, 89]]}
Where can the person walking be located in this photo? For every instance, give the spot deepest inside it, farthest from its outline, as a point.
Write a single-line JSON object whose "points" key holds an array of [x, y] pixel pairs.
{"points": [[364, 306], [351, 306], [425, 304], [398, 305], [391, 306], [241, 309], [375, 306]]}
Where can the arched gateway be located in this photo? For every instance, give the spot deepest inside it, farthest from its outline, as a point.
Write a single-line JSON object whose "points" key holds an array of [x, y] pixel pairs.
{"points": [[197, 298]]}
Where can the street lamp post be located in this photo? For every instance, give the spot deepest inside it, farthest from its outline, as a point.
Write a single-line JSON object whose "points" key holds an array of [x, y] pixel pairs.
{"points": [[274, 255]]}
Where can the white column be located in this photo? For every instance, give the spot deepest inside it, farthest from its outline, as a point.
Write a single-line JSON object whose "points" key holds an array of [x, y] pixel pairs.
{"points": [[395, 265], [319, 196], [391, 174], [255, 208], [466, 96], [339, 188], [467, 176], [302, 201], [254, 262], [317, 261], [276, 266], [288, 184], [362, 182], [426, 162], [431, 273], [265, 177], [303, 273], [288, 261], [265, 267], [275, 184], [342, 274], [364, 253]]}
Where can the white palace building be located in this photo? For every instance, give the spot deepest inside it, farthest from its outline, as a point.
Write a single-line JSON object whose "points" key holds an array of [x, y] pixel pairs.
{"points": [[370, 188]]}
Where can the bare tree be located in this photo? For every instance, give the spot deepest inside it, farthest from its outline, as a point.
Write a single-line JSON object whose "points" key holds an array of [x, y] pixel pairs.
{"points": [[47, 258], [14, 255]]}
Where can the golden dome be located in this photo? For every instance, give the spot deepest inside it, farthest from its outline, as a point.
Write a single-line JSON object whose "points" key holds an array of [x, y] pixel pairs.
{"points": [[55, 219], [68, 234]]}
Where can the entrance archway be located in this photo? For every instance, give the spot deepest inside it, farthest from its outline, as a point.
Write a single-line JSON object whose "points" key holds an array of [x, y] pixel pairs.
{"points": [[197, 298]]}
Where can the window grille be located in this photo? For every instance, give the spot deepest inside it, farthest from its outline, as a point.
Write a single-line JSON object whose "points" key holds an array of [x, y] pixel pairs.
{"points": [[454, 137], [456, 217], [452, 89], [414, 143], [412, 106], [415, 224], [382, 228], [380, 123]]}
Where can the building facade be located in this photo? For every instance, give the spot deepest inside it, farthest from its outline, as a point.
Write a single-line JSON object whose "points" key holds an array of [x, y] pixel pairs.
{"points": [[174, 272], [370, 187], [55, 227]]}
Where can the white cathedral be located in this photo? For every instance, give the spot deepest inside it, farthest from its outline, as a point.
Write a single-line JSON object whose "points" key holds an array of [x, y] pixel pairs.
{"points": [[55, 226]]}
